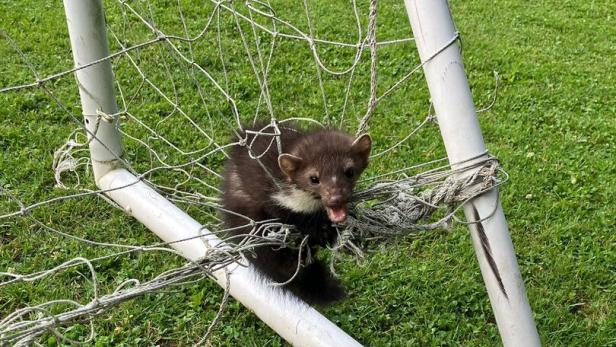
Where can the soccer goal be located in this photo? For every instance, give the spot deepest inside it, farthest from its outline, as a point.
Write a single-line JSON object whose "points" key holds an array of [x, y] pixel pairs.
{"points": [[163, 97]]}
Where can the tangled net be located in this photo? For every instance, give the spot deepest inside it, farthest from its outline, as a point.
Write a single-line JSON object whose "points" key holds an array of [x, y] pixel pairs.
{"points": [[188, 82]]}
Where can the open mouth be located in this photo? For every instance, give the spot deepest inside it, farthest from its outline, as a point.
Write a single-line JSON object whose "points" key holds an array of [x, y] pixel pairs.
{"points": [[337, 214]]}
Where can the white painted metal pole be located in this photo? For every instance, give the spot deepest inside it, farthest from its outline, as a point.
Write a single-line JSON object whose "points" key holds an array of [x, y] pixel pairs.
{"points": [[87, 31], [292, 319], [433, 28]]}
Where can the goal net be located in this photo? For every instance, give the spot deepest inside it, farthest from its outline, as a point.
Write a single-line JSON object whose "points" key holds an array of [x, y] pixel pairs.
{"points": [[187, 79]]}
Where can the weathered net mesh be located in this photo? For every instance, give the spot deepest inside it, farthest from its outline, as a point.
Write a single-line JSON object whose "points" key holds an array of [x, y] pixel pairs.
{"points": [[188, 78]]}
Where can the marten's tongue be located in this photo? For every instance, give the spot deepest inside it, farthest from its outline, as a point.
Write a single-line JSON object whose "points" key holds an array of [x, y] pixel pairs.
{"points": [[336, 214]]}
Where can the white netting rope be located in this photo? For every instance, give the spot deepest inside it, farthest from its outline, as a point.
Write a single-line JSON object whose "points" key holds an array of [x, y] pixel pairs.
{"points": [[398, 204]]}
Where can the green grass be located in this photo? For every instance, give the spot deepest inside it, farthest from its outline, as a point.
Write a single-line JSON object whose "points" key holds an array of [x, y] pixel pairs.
{"points": [[553, 127]]}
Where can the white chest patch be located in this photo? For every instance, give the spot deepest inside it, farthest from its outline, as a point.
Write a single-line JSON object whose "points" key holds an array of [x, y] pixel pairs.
{"points": [[298, 200]]}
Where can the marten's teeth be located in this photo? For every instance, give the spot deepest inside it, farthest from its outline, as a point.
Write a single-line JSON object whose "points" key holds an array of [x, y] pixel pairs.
{"points": [[337, 214]]}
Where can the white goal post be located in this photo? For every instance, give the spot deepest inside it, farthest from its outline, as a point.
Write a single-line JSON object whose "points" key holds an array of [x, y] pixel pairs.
{"points": [[432, 27], [293, 320]]}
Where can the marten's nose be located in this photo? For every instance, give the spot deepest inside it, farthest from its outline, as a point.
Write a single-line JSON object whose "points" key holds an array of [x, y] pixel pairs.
{"points": [[334, 199]]}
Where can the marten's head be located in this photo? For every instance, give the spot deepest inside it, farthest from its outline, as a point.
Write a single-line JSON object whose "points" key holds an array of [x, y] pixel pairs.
{"points": [[322, 168]]}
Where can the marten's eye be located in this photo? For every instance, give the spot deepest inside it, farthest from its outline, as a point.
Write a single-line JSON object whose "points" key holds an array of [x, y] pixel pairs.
{"points": [[314, 179], [349, 172]]}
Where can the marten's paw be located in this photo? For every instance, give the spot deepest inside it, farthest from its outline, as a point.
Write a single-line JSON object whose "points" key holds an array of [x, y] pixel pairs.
{"points": [[323, 236], [316, 285]]}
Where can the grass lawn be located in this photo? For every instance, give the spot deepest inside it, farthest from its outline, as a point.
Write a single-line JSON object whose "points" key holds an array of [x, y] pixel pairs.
{"points": [[553, 126]]}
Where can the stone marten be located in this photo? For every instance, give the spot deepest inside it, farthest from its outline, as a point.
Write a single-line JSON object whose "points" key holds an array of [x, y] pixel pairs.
{"points": [[309, 186]]}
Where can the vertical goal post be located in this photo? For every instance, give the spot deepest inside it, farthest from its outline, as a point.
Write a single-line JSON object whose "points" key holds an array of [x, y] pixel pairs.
{"points": [[293, 320], [433, 27]]}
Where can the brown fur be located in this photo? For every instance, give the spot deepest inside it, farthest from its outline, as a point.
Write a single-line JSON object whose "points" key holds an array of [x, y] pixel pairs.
{"points": [[248, 190]]}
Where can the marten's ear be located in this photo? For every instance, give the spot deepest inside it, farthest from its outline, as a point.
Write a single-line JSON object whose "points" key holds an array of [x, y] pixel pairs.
{"points": [[289, 163], [362, 146]]}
